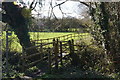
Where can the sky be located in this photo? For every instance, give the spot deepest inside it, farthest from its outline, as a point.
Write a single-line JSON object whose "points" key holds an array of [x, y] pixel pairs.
{"points": [[70, 8]]}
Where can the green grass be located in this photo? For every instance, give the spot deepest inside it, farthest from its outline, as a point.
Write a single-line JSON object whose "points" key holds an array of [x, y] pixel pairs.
{"points": [[45, 35], [14, 42]]}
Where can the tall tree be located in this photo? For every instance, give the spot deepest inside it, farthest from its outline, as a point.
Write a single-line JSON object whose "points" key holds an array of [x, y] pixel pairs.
{"points": [[106, 17], [15, 17]]}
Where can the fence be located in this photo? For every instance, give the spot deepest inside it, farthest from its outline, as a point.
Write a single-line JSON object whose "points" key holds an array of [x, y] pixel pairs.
{"points": [[54, 56], [15, 46], [60, 38]]}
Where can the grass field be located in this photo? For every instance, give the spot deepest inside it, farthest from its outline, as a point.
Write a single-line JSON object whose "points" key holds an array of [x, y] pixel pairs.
{"points": [[45, 35], [14, 42]]}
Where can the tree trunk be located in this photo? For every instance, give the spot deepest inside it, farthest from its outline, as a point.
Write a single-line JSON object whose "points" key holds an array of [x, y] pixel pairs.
{"points": [[111, 40], [18, 23]]}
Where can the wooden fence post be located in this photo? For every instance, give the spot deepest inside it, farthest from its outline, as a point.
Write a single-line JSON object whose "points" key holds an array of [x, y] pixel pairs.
{"points": [[71, 47], [72, 42], [61, 56], [54, 46], [49, 59], [74, 56], [37, 36], [41, 50], [56, 54]]}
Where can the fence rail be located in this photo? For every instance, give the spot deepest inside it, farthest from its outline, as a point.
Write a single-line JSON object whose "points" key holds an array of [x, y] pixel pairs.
{"points": [[53, 52], [54, 56], [61, 38]]}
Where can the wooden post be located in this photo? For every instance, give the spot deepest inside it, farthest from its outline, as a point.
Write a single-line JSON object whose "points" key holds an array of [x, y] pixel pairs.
{"points": [[72, 45], [54, 46], [71, 51], [56, 54], [41, 51], [75, 57], [49, 59], [37, 36], [61, 53]]}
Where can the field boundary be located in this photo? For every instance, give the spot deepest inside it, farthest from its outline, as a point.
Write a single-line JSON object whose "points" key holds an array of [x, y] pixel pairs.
{"points": [[54, 56], [60, 38]]}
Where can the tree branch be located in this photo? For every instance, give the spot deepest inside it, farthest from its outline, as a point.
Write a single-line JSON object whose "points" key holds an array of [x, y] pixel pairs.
{"points": [[60, 3], [92, 10], [34, 6], [31, 5], [53, 11], [89, 6]]}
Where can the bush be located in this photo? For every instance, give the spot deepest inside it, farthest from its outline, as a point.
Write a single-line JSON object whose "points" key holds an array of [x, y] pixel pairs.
{"points": [[94, 58]]}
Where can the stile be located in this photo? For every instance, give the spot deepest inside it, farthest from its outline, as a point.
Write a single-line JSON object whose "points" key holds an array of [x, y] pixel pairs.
{"points": [[58, 49]]}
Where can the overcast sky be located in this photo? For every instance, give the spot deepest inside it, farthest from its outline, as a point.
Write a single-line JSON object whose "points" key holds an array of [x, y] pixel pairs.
{"points": [[70, 8]]}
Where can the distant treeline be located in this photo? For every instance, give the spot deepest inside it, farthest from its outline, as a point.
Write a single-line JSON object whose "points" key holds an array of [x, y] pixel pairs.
{"points": [[60, 25], [62, 30]]}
